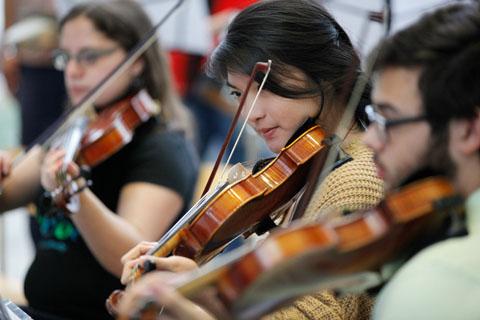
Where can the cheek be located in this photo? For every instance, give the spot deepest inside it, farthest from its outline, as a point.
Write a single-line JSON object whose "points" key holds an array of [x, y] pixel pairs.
{"points": [[444, 155], [286, 116], [247, 105], [408, 153], [243, 112]]}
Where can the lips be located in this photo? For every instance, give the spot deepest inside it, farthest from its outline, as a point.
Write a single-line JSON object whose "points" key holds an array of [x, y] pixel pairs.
{"points": [[380, 170], [77, 90], [77, 93], [267, 132]]}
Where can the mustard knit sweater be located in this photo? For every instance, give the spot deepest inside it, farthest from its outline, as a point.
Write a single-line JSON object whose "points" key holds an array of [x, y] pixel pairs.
{"points": [[352, 186]]}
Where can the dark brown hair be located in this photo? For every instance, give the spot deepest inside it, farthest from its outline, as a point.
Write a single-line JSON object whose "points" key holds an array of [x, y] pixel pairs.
{"points": [[445, 45], [297, 36]]}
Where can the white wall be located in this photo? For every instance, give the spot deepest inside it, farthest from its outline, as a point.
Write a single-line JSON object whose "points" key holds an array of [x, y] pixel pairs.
{"points": [[353, 15]]}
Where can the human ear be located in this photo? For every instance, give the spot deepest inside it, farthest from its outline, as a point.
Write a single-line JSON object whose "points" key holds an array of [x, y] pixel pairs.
{"points": [[468, 134], [137, 67]]}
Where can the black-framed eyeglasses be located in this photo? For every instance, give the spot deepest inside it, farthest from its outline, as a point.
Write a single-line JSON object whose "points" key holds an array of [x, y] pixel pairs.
{"points": [[85, 58], [383, 125]]}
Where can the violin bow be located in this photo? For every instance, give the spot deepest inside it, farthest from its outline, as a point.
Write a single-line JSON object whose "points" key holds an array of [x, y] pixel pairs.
{"points": [[62, 123], [324, 160], [259, 66]]}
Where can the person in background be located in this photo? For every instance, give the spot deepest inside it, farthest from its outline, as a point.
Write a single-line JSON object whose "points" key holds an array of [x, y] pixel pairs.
{"points": [[426, 112], [210, 104], [31, 34], [137, 193]]}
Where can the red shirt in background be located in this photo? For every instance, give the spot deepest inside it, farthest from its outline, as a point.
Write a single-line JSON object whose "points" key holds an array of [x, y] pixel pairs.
{"points": [[183, 66]]}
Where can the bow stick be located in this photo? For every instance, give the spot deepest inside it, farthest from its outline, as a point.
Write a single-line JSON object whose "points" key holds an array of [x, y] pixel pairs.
{"points": [[259, 66]]}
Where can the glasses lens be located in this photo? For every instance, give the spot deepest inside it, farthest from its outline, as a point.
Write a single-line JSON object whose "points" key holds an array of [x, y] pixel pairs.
{"points": [[60, 59], [89, 57], [381, 132], [377, 121]]}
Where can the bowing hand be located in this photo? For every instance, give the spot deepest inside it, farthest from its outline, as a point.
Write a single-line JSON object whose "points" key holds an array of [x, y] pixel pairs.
{"points": [[154, 293]]}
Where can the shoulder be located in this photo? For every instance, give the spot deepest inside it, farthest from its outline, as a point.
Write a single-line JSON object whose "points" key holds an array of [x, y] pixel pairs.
{"points": [[353, 186], [160, 155], [453, 256], [430, 278], [358, 175], [155, 142]]}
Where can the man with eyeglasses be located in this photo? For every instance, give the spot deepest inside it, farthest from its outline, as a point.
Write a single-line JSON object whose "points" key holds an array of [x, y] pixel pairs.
{"points": [[426, 112]]}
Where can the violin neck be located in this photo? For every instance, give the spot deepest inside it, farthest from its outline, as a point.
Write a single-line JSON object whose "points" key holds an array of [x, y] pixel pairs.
{"points": [[209, 273], [173, 236], [74, 138], [70, 142]]}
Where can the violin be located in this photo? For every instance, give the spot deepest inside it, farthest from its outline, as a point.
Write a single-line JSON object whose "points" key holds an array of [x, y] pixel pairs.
{"points": [[115, 126], [106, 133], [97, 140], [334, 255], [239, 208], [242, 206]]}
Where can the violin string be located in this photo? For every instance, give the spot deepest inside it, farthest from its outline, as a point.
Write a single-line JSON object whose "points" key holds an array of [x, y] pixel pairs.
{"points": [[61, 174], [186, 218], [63, 170], [245, 122]]}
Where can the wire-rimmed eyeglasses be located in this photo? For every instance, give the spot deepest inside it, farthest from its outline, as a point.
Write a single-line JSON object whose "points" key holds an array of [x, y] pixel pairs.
{"points": [[85, 58]]}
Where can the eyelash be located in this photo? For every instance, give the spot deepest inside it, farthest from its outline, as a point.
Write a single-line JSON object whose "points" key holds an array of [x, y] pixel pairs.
{"points": [[236, 94]]}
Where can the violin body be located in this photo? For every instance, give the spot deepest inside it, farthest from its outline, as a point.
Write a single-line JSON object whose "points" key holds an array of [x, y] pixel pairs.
{"points": [[332, 255], [244, 204], [114, 127]]}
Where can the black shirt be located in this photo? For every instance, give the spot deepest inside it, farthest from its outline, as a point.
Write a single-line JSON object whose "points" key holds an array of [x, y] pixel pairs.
{"points": [[65, 279]]}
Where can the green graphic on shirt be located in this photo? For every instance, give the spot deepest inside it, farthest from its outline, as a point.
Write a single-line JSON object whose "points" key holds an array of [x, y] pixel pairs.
{"points": [[64, 230], [57, 227]]}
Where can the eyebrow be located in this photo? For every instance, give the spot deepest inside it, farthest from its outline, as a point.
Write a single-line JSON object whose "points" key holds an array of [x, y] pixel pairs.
{"points": [[385, 107], [231, 85]]}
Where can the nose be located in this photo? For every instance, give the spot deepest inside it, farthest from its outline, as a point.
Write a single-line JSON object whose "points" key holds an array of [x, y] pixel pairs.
{"points": [[73, 68], [257, 111], [371, 139]]}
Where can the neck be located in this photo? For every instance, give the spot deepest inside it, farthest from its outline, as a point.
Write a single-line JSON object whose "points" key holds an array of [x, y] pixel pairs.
{"points": [[351, 137], [467, 177], [126, 93]]}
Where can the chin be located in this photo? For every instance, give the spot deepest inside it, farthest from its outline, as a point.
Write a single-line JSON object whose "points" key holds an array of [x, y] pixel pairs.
{"points": [[75, 99], [390, 183], [387, 186], [275, 150]]}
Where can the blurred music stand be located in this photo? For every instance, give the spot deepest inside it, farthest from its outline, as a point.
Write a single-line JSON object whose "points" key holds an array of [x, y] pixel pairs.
{"points": [[10, 311]]}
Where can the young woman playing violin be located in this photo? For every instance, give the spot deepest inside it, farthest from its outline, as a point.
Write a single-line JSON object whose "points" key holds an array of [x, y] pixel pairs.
{"points": [[137, 192], [314, 66]]}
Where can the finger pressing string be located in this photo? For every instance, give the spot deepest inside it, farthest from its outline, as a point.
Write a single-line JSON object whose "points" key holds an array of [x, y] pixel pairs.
{"points": [[149, 265]]}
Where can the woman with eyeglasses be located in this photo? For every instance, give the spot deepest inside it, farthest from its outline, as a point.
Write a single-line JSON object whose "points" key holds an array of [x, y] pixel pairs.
{"points": [[136, 193], [314, 68]]}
